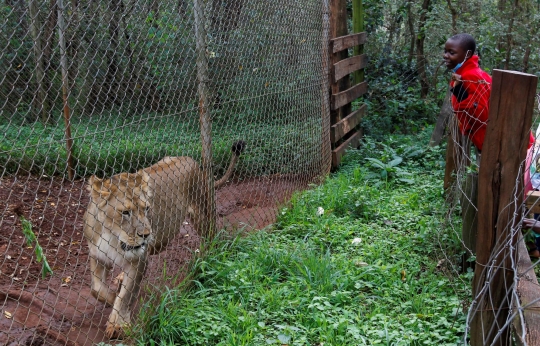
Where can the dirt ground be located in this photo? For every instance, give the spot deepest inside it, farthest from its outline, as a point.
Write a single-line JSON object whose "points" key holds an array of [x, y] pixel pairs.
{"points": [[59, 310]]}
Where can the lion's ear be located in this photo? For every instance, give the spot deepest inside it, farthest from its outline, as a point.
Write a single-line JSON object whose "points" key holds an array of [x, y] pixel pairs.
{"points": [[145, 182], [97, 189]]}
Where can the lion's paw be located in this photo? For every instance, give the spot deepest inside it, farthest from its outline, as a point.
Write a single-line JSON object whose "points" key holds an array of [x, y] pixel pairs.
{"points": [[114, 331]]}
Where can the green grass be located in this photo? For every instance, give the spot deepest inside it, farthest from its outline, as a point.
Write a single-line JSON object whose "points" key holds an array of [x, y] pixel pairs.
{"points": [[109, 145], [362, 273]]}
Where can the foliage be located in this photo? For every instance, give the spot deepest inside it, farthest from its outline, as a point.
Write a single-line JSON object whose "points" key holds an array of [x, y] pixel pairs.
{"points": [[340, 260], [506, 38], [30, 240]]}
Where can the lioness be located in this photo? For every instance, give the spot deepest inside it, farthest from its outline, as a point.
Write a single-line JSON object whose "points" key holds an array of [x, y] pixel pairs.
{"points": [[133, 215]]}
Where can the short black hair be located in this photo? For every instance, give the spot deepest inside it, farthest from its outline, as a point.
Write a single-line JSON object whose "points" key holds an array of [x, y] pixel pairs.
{"points": [[466, 41]]}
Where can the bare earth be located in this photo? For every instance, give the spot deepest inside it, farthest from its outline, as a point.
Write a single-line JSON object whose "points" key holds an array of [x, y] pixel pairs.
{"points": [[59, 309]]}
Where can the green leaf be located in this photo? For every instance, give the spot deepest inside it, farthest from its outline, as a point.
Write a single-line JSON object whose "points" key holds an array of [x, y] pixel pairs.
{"points": [[395, 161], [284, 339]]}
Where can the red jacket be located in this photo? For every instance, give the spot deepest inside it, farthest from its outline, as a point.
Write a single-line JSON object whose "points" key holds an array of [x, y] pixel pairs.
{"points": [[470, 101]]}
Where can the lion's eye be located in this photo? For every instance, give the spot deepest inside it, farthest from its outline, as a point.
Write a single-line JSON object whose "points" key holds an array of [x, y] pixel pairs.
{"points": [[126, 212], [147, 209]]}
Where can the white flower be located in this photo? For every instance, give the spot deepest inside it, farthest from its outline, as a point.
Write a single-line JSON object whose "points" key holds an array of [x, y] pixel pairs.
{"points": [[320, 211], [356, 241]]}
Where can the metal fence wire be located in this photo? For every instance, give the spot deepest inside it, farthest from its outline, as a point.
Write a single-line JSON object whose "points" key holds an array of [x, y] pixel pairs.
{"points": [[115, 118], [483, 312]]}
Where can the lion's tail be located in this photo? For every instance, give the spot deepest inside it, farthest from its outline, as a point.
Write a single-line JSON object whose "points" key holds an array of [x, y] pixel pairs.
{"points": [[237, 149]]}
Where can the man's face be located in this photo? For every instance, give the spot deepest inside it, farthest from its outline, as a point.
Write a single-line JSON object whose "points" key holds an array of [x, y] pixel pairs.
{"points": [[454, 53]]}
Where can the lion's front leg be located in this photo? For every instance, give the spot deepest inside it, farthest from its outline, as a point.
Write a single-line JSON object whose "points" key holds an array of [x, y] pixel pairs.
{"points": [[100, 289], [129, 289]]}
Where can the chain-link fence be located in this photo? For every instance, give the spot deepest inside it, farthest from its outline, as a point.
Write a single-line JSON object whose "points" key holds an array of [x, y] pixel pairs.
{"points": [[90, 90]]}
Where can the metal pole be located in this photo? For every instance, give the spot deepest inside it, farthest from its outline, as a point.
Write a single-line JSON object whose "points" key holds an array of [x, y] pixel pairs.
{"points": [[208, 226], [65, 88]]}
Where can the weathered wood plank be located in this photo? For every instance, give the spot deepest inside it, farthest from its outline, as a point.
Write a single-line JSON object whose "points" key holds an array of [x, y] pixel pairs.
{"points": [[500, 184], [349, 95], [344, 126], [352, 141], [528, 291], [349, 65], [468, 202], [345, 42], [442, 120]]}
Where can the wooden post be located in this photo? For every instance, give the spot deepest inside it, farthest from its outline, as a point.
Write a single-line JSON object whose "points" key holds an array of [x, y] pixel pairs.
{"points": [[209, 220], [326, 148], [358, 26], [442, 120], [338, 27], [503, 157], [469, 224], [65, 88]]}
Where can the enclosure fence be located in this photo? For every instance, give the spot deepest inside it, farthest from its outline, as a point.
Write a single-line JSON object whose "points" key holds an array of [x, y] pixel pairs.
{"points": [[93, 95], [490, 190]]}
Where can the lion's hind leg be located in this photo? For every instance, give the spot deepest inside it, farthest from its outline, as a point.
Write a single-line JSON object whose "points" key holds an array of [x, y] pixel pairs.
{"points": [[99, 287]]}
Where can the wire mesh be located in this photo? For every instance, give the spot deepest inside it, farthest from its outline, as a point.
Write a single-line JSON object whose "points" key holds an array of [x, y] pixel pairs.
{"points": [[467, 128], [101, 92]]}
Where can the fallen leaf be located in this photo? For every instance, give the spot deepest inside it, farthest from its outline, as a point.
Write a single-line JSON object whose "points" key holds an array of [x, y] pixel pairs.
{"points": [[7, 314], [66, 281], [53, 204]]}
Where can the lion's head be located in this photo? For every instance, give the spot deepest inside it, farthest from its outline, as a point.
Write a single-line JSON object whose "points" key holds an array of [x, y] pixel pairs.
{"points": [[121, 206]]}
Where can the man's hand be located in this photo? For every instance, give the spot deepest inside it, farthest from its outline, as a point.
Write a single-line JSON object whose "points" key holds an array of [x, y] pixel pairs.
{"points": [[456, 78]]}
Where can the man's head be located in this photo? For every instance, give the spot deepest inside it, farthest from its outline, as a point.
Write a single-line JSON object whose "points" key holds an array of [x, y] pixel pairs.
{"points": [[457, 49]]}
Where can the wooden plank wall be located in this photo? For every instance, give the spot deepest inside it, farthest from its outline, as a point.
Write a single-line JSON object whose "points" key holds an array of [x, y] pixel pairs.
{"points": [[345, 131]]}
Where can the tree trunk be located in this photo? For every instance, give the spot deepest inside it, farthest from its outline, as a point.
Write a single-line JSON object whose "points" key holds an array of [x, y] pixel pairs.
{"points": [[113, 66], [509, 38], [420, 56], [182, 9], [410, 23], [41, 94], [454, 13], [73, 42]]}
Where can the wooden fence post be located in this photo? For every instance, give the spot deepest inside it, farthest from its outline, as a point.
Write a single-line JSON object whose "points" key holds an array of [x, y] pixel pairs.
{"points": [[504, 151]]}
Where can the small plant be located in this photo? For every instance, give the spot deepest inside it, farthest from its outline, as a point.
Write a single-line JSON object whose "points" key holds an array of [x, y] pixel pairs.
{"points": [[31, 239], [390, 170]]}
